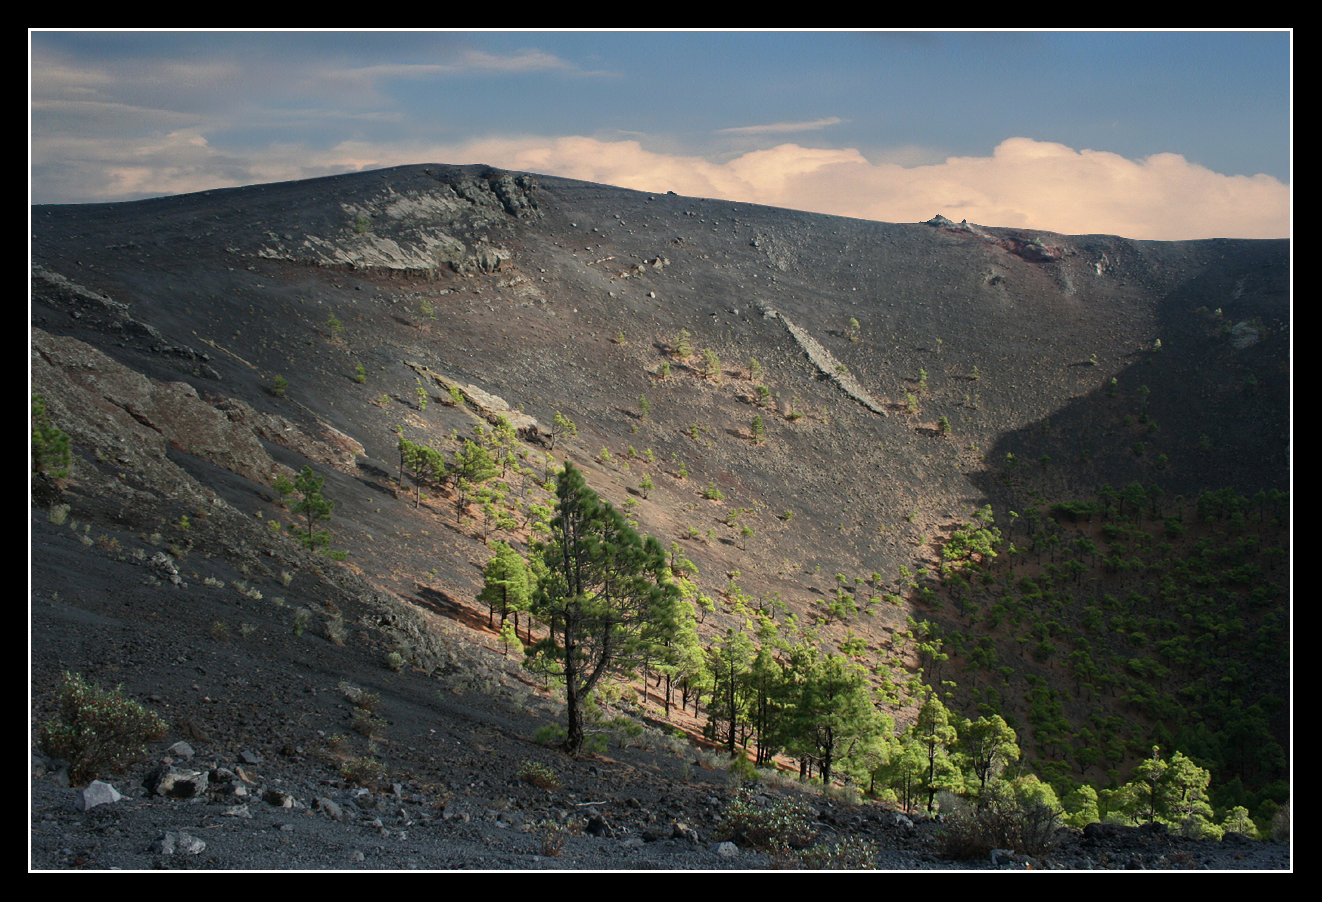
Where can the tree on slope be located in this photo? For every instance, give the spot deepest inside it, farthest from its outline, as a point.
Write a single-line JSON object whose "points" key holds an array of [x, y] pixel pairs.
{"points": [[507, 585], [833, 711], [605, 594], [986, 745], [51, 448], [311, 504], [935, 734], [729, 663]]}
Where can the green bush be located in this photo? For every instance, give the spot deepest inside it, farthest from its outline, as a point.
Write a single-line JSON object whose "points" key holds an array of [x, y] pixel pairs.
{"points": [[539, 775], [363, 771], [551, 734], [767, 823], [850, 854], [97, 729], [743, 770]]}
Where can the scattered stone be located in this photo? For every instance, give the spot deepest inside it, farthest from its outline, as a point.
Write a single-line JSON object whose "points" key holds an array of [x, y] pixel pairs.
{"points": [[178, 844], [278, 798], [96, 793], [176, 783]]}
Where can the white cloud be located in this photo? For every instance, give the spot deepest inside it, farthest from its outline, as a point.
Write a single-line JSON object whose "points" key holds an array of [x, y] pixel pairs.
{"points": [[1025, 183]]}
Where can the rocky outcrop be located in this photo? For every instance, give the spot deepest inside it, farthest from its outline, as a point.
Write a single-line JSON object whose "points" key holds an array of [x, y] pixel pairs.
{"points": [[1034, 249], [105, 314], [419, 231], [826, 362], [121, 415], [491, 408]]}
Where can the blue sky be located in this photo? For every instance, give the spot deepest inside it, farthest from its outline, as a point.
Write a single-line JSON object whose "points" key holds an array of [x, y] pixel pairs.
{"points": [[1149, 135]]}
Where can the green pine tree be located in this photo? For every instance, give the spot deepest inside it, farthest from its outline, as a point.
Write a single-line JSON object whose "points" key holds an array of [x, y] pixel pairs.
{"points": [[507, 587], [606, 594], [52, 452]]}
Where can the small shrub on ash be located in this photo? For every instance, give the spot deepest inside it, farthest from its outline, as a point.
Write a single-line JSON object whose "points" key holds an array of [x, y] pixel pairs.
{"points": [[97, 729], [363, 771], [539, 775], [767, 823], [553, 838], [850, 854]]}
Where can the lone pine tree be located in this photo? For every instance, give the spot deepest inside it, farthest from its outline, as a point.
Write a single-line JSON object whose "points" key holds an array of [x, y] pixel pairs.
{"points": [[51, 448], [605, 593], [311, 504]]}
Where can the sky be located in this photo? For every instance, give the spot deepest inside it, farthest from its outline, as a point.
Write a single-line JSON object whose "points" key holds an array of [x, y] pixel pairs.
{"points": [[1151, 135]]}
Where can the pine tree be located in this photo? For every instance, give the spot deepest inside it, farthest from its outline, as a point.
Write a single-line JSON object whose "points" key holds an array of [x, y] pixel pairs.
{"points": [[934, 732], [729, 663], [561, 426], [51, 449], [508, 586], [833, 711], [903, 767], [986, 745], [606, 595], [311, 504]]}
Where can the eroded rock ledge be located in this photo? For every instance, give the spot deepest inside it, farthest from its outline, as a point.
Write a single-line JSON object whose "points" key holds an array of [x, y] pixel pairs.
{"points": [[826, 362]]}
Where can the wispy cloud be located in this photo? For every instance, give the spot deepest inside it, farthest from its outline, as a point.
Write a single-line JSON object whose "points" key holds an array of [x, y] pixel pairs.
{"points": [[464, 62], [775, 128]]}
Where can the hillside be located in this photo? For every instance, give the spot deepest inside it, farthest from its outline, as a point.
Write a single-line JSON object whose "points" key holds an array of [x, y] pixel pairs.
{"points": [[195, 348]]}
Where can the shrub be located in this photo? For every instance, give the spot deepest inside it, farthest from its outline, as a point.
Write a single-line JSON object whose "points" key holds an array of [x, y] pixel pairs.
{"points": [[1026, 825], [365, 724], [336, 631], [850, 854], [363, 771], [742, 769], [553, 837], [539, 775], [762, 823], [551, 734], [97, 729]]}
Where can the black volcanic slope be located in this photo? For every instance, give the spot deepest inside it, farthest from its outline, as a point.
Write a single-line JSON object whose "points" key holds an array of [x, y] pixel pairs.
{"points": [[160, 329]]}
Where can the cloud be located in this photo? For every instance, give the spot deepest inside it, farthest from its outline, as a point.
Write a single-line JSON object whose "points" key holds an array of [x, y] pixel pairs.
{"points": [[782, 127], [463, 62], [1024, 183]]}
